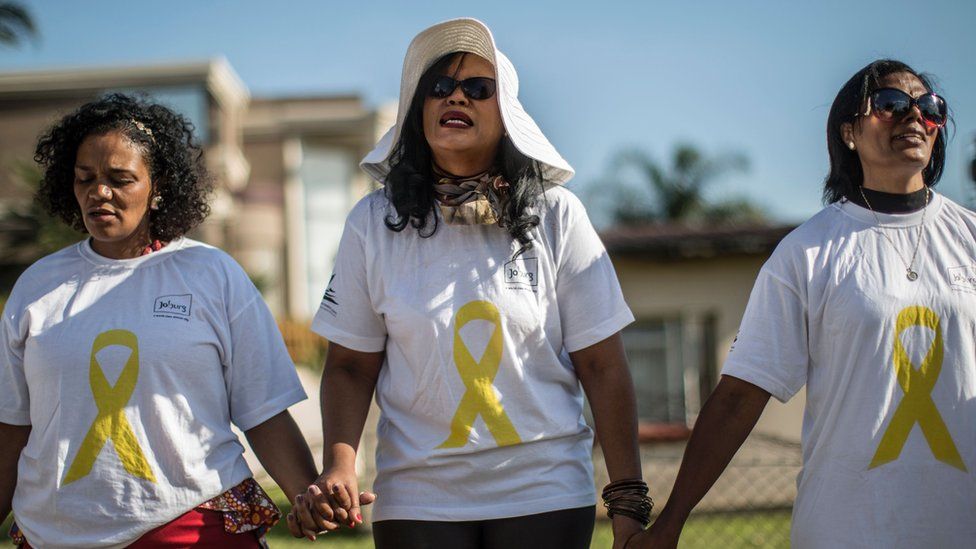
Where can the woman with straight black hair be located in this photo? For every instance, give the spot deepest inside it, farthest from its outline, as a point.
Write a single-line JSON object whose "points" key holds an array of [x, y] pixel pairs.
{"points": [[473, 297], [412, 168], [871, 306], [846, 173]]}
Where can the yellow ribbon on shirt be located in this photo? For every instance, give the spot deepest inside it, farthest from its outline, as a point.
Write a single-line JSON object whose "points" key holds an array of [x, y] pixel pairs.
{"points": [[479, 396], [917, 405], [111, 423]]}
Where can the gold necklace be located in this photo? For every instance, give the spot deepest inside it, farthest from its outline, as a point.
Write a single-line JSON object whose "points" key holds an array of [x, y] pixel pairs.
{"points": [[910, 273]]}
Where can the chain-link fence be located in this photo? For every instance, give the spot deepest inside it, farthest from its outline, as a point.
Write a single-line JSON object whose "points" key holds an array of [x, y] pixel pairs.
{"points": [[750, 504]]}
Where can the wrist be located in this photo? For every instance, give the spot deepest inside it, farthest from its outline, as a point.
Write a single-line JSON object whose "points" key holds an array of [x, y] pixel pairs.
{"points": [[625, 524], [672, 516], [628, 498], [292, 491], [339, 456]]}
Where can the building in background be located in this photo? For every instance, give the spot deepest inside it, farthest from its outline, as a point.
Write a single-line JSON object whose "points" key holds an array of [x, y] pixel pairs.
{"points": [[305, 177], [285, 168], [208, 93], [688, 289]]}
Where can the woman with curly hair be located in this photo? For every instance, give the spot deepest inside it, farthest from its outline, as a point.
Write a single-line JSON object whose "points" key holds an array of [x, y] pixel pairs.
{"points": [[127, 357], [473, 297]]}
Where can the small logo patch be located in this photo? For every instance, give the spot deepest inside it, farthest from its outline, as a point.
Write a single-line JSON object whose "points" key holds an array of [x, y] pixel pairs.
{"points": [[963, 278], [173, 306], [522, 273], [329, 302]]}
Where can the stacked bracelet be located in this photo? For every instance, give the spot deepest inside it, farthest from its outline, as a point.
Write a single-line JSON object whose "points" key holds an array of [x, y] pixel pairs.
{"points": [[628, 498]]}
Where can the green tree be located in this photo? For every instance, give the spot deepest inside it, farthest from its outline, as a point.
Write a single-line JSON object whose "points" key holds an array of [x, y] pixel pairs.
{"points": [[16, 25], [27, 232], [677, 189]]}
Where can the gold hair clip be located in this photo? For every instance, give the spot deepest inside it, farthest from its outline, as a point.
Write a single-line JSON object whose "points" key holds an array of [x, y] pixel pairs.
{"points": [[142, 127]]}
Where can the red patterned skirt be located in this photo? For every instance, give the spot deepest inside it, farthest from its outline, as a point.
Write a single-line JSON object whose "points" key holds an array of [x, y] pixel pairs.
{"points": [[237, 518]]}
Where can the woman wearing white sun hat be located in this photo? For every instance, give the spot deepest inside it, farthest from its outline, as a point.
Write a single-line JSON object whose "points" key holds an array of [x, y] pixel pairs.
{"points": [[473, 296]]}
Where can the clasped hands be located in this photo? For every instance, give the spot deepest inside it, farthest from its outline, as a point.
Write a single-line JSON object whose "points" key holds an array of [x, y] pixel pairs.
{"points": [[331, 501]]}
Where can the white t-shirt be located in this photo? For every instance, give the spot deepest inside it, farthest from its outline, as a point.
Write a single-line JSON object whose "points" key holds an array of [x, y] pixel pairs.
{"points": [[889, 433], [481, 407], [130, 373]]}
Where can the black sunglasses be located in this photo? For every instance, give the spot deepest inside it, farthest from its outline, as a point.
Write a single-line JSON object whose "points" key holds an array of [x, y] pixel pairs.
{"points": [[893, 104], [476, 88]]}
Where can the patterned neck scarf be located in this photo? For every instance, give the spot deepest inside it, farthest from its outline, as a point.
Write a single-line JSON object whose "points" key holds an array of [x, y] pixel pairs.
{"points": [[475, 200]]}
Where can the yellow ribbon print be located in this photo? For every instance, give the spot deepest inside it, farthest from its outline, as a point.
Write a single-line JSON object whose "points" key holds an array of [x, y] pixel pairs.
{"points": [[111, 423], [479, 396], [917, 405]]}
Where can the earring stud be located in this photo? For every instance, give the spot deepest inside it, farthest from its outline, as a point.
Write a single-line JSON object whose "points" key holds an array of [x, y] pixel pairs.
{"points": [[850, 145]]}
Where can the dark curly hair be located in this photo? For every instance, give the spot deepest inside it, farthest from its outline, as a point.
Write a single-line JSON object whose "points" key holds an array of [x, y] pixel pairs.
{"points": [[846, 174], [174, 159], [410, 183]]}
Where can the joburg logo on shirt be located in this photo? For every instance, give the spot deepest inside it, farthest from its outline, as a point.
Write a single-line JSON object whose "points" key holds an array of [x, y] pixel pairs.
{"points": [[522, 273], [173, 306]]}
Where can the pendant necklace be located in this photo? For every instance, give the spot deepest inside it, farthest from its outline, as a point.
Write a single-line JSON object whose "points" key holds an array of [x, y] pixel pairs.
{"points": [[910, 272]]}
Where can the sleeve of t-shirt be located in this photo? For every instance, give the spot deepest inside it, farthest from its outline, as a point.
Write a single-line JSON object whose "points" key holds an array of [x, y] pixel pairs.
{"points": [[771, 349], [346, 315], [259, 374], [591, 304], [14, 397]]}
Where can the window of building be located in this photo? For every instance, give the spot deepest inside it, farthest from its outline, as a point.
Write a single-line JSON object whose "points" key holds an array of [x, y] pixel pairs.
{"points": [[327, 172], [655, 353], [673, 363]]}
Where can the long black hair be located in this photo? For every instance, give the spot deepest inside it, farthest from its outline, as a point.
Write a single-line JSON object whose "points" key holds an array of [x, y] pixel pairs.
{"points": [[846, 174], [410, 183], [165, 138]]}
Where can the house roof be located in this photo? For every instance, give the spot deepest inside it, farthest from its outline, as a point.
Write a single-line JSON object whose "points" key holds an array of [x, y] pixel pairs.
{"points": [[216, 74], [676, 242], [324, 115]]}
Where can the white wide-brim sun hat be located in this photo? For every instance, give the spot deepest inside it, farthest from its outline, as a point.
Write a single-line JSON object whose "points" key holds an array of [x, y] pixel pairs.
{"points": [[472, 36]]}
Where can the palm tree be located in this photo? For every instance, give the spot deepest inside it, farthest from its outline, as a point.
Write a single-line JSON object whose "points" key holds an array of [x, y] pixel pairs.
{"points": [[678, 189], [16, 25], [27, 232]]}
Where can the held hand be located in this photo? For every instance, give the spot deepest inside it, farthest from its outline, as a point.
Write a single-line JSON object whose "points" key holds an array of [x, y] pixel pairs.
{"points": [[303, 523], [335, 496], [624, 529], [308, 519], [659, 536]]}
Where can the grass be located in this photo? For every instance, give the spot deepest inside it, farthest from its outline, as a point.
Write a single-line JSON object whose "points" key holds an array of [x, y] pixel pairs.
{"points": [[740, 529], [762, 529], [703, 531]]}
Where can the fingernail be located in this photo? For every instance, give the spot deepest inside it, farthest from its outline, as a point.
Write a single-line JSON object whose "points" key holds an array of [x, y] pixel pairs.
{"points": [[335, 488], [359, 517]]}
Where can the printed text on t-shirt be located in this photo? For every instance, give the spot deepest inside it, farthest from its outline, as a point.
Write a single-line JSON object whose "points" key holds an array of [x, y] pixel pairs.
{"points": [[963, 277], [173, 306], [522, 273]]}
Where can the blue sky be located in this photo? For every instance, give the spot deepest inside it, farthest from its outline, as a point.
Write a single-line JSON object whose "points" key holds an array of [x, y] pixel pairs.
{"points": [[748, 76]]}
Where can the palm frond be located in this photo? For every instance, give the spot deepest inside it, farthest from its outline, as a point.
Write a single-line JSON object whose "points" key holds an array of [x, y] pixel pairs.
{"points": [[16, 24]]}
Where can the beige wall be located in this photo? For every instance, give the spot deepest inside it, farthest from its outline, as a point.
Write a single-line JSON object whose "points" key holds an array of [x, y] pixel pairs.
{"points": [[696, 288], [21, 123], [257, 228]]}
